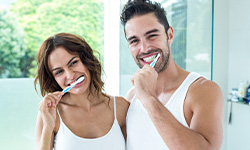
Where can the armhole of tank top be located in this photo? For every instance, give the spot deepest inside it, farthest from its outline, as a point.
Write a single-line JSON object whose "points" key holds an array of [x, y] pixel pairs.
{"points": [[194, 77], [114, 108]]}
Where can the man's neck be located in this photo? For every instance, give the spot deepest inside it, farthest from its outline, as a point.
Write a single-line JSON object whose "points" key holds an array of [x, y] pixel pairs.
{"points": [[170, 78]]}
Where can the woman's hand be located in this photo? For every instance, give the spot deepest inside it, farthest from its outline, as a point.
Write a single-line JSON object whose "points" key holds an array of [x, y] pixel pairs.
{"points": [[47, 108]]}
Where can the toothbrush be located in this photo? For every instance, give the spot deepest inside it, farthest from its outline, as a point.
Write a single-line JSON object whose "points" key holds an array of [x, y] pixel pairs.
{"points": [[155, 60], [72, 85]]}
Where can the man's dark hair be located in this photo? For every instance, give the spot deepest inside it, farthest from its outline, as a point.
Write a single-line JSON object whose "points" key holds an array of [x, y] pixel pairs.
{"points": [[141, 7]]}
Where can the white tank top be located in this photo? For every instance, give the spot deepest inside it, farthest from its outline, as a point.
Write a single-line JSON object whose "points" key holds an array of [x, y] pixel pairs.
{"points": [[65, 139], [141, 132]]}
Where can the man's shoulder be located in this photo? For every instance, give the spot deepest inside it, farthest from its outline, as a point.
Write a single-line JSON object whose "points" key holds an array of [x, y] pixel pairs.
{"points": [[204, 84], [204, 91], [130, 94]]}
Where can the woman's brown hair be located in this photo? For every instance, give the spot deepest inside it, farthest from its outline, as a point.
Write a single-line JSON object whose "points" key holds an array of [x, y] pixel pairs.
{"points": [[74, 44]]}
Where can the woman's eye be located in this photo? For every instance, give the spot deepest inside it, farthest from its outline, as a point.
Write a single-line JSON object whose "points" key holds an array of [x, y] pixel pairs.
{"points": [[58, 72], [73, 63]]}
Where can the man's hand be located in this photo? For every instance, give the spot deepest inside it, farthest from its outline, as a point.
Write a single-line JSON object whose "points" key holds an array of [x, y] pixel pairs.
{"points": [[145, 81]]}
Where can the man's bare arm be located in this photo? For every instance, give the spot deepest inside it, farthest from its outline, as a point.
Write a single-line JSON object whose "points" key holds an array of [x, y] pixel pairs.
{"points": [[206, 104]]}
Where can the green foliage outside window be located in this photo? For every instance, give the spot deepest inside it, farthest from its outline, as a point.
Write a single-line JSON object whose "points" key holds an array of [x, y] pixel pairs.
{"points": [[11, 45], [40, 19]]}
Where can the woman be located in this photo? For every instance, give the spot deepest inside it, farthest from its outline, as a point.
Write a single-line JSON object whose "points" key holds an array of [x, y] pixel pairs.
{"points": [[84, 117]]}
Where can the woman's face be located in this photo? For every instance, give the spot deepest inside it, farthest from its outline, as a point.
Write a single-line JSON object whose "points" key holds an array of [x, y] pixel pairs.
{"points": [[67, 68]]}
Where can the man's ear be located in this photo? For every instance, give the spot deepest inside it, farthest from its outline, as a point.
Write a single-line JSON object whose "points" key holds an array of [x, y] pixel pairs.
{"points": [[170, 35]]}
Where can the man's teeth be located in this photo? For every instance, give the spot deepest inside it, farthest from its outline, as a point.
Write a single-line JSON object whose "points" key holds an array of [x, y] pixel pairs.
{"points": [[149, 59]]}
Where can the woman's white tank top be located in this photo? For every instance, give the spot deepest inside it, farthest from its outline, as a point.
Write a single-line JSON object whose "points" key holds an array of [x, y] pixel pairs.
{"points": [[65, 139], [141, 132]]}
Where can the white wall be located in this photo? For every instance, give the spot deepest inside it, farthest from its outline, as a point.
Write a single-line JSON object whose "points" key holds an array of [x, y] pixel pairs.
{"points": [[231, 50], [239, 69], [239, 40], [220, 54]]}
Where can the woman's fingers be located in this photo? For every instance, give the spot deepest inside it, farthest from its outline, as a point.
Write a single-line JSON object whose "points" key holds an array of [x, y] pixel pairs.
{"points": [[54, 98], [51, 100]]}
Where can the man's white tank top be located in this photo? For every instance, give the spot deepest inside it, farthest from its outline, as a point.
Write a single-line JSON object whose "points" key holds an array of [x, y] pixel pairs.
{"points": [[65, 139], [141, 132]]}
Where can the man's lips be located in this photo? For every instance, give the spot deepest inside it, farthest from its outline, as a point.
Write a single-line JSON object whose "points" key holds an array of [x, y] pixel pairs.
{"points": [[148, 55]]}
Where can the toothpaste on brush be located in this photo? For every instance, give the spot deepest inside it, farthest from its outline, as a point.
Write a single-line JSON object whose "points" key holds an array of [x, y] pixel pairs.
{"points": [[73, 84]]}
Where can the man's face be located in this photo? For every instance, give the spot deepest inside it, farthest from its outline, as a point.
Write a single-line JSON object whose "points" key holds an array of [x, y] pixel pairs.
{"points": [[146, 38]]}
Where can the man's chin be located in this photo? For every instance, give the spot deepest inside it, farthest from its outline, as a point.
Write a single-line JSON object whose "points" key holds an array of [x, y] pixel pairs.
{"points": [[139, 65]]}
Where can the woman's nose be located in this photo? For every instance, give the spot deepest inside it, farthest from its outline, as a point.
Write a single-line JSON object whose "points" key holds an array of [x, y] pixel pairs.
{"points": [[70, 74]]}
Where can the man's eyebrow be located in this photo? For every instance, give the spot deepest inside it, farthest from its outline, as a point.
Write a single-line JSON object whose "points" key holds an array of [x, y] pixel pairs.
{"points": [[130, 38], [151, 31], [67, 63]]}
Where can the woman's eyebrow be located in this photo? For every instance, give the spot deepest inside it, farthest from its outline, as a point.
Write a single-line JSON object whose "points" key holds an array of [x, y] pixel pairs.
{"points": [[66, 64], [71, 60]]}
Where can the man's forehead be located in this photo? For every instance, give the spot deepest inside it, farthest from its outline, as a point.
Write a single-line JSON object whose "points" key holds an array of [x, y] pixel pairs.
{"points": [[140, 25]]}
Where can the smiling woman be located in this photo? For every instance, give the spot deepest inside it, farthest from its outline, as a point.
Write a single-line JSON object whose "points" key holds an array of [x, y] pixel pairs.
{"points": [[69, 51], [19, 40], [95, 119]]}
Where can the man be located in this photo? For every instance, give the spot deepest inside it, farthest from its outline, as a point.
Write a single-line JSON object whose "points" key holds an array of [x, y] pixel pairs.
{"points": [[170, 108]]}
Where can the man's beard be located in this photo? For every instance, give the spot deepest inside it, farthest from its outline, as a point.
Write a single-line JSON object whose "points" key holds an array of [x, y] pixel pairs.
{"points": [[164, 63]]}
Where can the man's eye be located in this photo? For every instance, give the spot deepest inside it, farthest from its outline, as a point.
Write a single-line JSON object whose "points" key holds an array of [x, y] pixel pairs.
{"points": [[133, 41], [152, 35]]}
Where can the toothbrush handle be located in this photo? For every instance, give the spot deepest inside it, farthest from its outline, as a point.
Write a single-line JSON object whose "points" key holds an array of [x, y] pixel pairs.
{"points": [[66, 89], [152, 64], [155, 60]]}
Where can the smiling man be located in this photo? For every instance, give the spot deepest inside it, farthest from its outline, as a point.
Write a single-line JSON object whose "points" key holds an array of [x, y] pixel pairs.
{"points": [[170, 108]]}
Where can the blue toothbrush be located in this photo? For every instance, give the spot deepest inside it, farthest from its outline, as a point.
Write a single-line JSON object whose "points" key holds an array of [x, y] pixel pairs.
{"points": [[72, 85], [155, 60]]}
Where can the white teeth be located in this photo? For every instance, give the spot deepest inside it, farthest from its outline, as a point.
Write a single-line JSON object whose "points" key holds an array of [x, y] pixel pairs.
{"points": [[150, 58]]}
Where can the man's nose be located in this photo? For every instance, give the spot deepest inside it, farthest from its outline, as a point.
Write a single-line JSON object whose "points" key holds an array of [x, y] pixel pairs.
{"points": [[144, 46]]}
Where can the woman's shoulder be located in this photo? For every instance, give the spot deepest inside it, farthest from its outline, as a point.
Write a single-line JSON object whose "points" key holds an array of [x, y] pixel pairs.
{"points": [[121, 102], [122, 106]]}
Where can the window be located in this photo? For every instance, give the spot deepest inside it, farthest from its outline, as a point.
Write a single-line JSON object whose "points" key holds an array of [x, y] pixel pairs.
{"points": [[24, 25]]}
